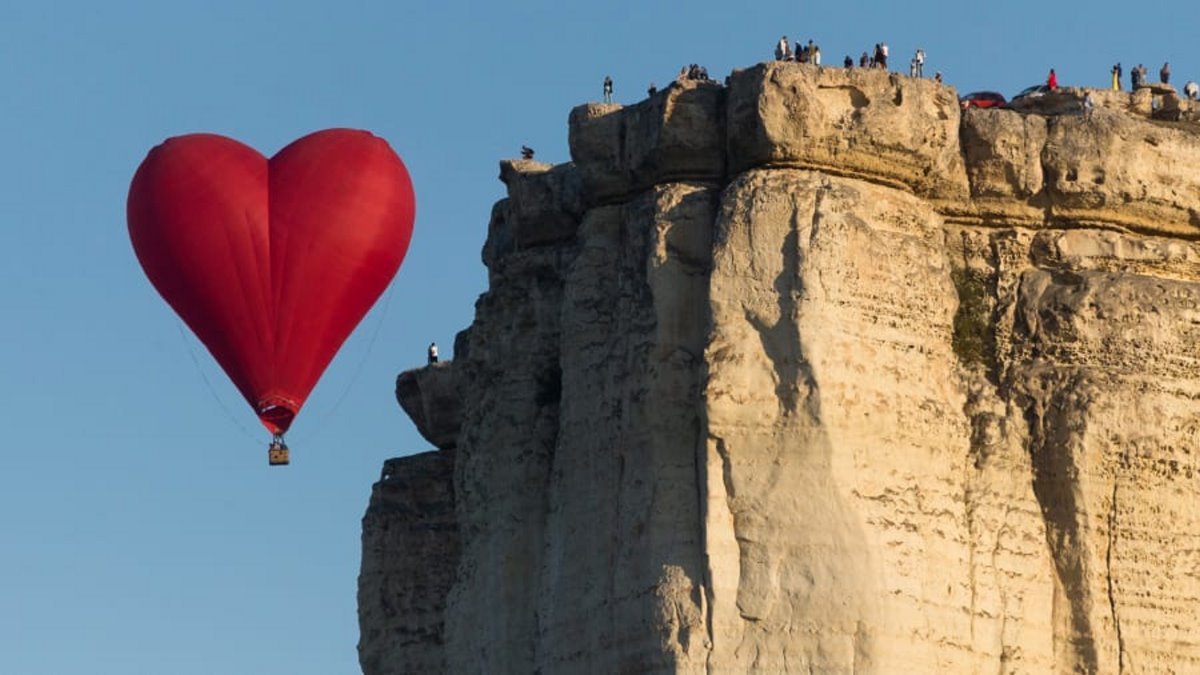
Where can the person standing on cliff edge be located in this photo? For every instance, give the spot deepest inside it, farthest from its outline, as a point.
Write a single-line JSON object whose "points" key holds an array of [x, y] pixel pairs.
{"points": [[1116, 77], [1164, 73], [433, 354], [607, 89], [1052, 81]]}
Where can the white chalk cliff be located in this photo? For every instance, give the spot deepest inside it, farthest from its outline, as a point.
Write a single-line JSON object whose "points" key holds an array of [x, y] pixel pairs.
{"points": [[814, 372]]}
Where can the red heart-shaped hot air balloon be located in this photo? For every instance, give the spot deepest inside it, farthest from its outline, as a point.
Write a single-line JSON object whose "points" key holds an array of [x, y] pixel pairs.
{"points": [[272, 263]]}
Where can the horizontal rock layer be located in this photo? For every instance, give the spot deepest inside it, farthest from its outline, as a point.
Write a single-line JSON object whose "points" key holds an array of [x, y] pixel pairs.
{"points": [[814, 372]]}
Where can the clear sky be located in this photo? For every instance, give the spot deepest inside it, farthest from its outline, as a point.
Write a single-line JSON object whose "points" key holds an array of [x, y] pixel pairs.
{"points": [[141, 530]]}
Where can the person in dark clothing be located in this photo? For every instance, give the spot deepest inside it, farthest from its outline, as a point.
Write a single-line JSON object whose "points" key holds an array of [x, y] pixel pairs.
{"points": [[864, 60], [652, 90], [433, 353], [1164, 73], [526, 152], [607, 89], [848, 62]]}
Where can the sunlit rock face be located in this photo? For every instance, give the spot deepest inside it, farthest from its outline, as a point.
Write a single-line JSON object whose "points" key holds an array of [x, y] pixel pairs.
{"points": [[814, 372]]}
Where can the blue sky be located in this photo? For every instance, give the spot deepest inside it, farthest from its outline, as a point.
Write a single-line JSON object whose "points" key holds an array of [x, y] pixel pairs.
{"points": [[142, 531]]}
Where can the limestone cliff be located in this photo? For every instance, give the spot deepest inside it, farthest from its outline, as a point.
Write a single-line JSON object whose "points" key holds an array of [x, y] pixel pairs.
{"points": [[814, 373]]}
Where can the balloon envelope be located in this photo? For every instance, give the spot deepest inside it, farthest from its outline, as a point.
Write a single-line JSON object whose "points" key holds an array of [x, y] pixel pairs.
{"points": [[272, 263]]}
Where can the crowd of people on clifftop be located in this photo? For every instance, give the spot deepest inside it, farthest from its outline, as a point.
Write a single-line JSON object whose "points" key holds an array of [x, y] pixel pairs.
{"points": [[810, 53], [1137, 79]]}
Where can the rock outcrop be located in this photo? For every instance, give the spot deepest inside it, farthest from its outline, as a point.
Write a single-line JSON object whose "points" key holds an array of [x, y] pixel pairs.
{"points": [[814, 373]]}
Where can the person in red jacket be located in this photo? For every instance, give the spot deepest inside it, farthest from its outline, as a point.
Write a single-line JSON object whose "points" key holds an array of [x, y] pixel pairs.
{"points": [[1052, 80]]}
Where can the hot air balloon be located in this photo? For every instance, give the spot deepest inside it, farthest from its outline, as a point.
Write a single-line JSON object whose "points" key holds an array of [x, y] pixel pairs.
{"points": [[272, 262]]}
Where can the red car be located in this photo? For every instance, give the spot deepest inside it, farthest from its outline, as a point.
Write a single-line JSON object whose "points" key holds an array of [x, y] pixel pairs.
{"points": [[982, 99]]}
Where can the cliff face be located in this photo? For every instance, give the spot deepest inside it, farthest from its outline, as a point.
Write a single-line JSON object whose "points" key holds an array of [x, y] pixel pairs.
{"points": [[815, 373]]}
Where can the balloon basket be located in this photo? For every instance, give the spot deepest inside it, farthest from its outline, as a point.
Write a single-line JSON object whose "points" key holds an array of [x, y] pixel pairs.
{"points": [[277, 452]]}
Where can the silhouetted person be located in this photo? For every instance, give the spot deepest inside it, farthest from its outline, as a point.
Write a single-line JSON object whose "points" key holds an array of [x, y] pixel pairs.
{"points": [[607, 89], [433, 355], [652, 90], [847, 62], [526, 152], [1164, 73]]}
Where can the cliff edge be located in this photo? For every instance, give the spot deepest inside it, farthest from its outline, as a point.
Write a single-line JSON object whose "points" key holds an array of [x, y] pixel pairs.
{"points": [[814, 372]]}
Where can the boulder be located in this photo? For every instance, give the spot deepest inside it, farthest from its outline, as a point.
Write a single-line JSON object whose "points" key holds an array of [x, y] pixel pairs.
{"points": [[861, 123], [678, 134], [544, 201]]}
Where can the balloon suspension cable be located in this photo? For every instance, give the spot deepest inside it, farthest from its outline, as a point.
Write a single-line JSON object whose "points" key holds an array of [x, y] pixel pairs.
{"points": [[277, 451], [382, 315], [191, 350]]}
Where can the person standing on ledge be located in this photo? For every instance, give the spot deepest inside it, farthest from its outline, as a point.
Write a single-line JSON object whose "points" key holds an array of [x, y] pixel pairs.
{"points": [[607, 89], [919, 57], [1052, 81], [1116, 77], [433, 355], [1164, 73]]}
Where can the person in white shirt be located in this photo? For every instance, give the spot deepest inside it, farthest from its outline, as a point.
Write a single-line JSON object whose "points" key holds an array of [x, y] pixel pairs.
{"points": [[782, 51]]}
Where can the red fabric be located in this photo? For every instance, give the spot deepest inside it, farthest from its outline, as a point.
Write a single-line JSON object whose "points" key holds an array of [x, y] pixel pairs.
{"points": [[272, 263], [1052, 81]]}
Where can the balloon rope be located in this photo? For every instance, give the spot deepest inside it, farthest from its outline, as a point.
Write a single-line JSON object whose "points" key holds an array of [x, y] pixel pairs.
{"points": [[232, 418], [387, 300]]}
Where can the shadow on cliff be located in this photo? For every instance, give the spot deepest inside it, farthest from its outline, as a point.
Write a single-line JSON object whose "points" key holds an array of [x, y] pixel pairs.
{"points": [[812, 582]]}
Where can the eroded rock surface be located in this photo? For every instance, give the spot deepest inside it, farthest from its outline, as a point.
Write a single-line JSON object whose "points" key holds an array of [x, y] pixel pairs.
{"points": [[410, 550], [432, 398], [814, 373]]}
